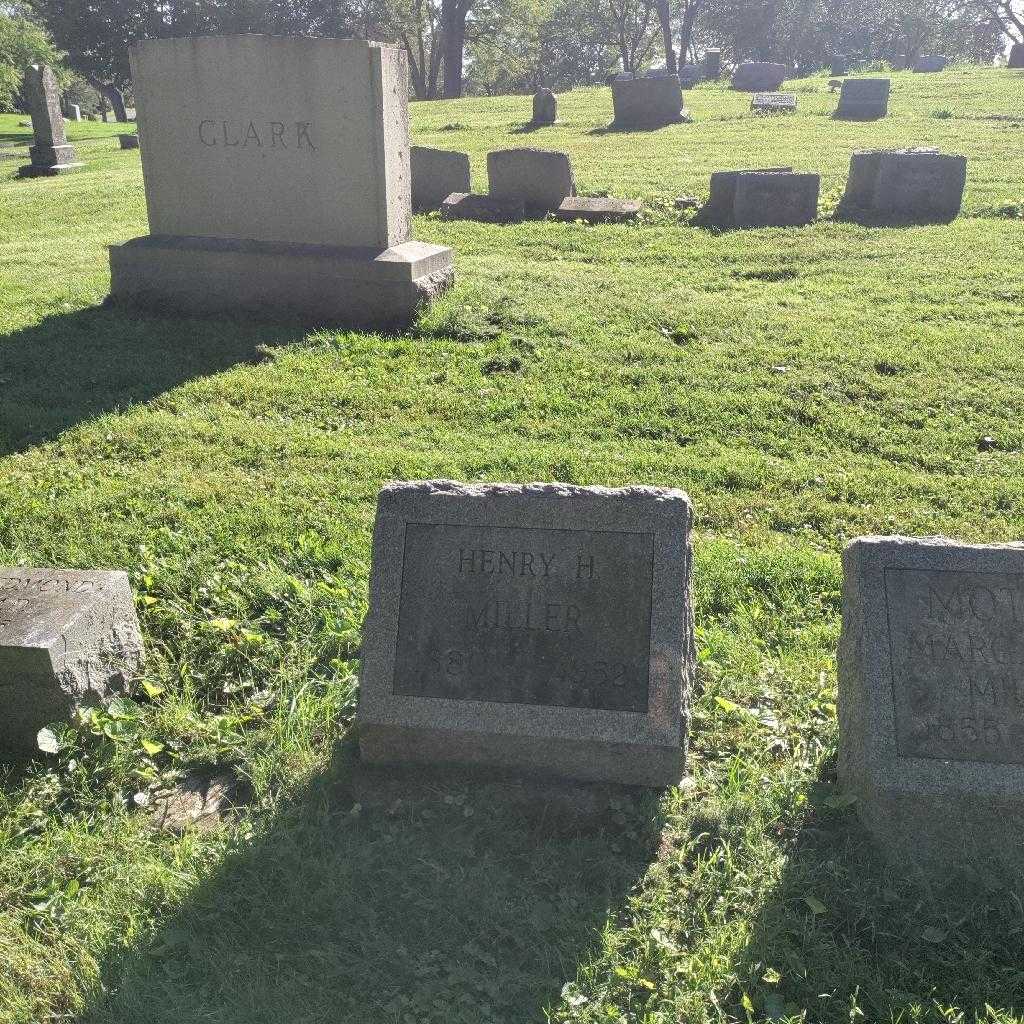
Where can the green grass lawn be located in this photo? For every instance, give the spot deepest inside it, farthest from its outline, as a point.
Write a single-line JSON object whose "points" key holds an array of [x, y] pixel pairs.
{"points": [[804, 386]]}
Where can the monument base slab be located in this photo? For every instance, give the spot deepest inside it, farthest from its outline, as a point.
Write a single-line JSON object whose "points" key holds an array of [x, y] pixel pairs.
{"points": [[279, 281]]}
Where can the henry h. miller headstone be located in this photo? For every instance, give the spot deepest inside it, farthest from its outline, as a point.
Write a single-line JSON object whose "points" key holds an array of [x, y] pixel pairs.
{"points": [[277, 182], [67, 637], [931, 697], [546, 628], [51, 153]]}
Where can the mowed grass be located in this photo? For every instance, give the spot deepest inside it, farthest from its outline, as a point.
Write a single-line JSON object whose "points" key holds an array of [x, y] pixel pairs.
{"points": [[804, 386]]}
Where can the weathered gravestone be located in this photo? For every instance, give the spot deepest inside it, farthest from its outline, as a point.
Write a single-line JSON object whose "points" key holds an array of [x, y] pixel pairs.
{"points": [[775, 199], [1016, 58], [690, 75], [712, 64], [905, 184], [436, 174], [931, 697], [773, 103], [74, 112], [863, 99], [540, 178], [277, 176], [720, 209], [67, 637], [931, 63], [647, 103], [128, 140], [839, 66], [759, 76], [544, 627], [51, 153], [484, 208], [598, 209], [545, 107]]}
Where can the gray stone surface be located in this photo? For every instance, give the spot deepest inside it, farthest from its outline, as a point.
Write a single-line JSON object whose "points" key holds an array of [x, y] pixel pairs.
{"points": [[541, 178], [128, 141], [51, 154], [67, 638], [485, 208], [839, 66], [931, 703], [544, 627], [545, 107], [905, 184], [272, 147], [773, 103], [720, 209], [931, 63], [775, 199], [598, 210], [863, 99], [436, 174], [1016, 57], [712, 64], [647, 103], [691, 75], [74, 112], [760, 76]]}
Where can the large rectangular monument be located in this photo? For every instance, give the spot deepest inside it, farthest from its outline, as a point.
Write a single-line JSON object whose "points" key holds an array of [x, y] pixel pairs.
{"points": [[278, 183], [545, 627], [931, 697]]}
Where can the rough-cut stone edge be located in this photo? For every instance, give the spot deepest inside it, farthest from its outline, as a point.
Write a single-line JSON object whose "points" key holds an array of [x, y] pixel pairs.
{"points": [[926, 813], [573, 742]]}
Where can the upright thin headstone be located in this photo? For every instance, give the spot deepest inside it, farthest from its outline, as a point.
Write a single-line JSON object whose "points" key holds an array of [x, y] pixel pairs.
{"points": [[931, 716], [51, 153], [839, 66], [543, 627], [277, 177], [712, 64], [67, 637], [1016, 58], [545, 107]]}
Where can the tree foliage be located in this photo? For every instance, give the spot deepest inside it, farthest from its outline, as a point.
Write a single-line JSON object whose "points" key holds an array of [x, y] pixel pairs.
{"points": [[22, 42]]}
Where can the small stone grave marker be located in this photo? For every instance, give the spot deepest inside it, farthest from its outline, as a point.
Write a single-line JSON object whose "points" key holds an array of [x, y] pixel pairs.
{"points": [[540, 178], [931, 697], [67, 637], [773, 103], [863, 99], [436, 174], [712, 64], [544, 627], [760, 76], [128, 140], [545, 107]]}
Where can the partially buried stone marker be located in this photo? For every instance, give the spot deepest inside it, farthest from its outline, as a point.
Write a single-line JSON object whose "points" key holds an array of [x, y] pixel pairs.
{"points": [[67, 637], [863, 99], [277, 177], [51, 153], [543, 627], [773, 103], [931, 697], [436, 174]]}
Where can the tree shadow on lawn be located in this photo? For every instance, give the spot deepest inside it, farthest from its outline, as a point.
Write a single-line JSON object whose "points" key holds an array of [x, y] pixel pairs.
{"points": [[846, 929], [453, 904], [72, 367]]}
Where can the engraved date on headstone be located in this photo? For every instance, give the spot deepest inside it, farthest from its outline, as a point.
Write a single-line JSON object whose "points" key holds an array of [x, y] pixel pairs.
{"points": [[957, 651], [525, 616]]}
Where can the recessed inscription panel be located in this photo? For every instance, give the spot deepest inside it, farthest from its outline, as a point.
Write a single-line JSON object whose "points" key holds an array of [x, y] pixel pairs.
{"points": [[525, 616], [957, 649]]}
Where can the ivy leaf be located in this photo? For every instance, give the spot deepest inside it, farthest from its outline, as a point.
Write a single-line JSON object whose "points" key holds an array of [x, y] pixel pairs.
{"points": [[817, 907], [46, 740], [152, 691], [152, 748], [223, 624]]}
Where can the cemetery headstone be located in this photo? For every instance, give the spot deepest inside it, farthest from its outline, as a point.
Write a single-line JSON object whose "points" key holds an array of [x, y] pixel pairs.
{"points": [[1016, 58], [657, 73], [598, 209], [773, 103], [545, 107], [759, 76], [690, 75], [931, 710], [720, 209], [839, 66], [776, 199], [74, 112], [863, 99], [540, 178], [51, 154], [484, 208], [893, 185], [544, 627], [647, 103], [128, 140], [931, 63], [436, 173], [67, 638], [277, 176], [712, 64]]}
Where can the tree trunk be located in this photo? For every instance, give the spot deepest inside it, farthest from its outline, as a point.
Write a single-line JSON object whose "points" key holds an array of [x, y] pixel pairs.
{"points": [[690, 11], [665, 17], [453, 23], [112, 95]]}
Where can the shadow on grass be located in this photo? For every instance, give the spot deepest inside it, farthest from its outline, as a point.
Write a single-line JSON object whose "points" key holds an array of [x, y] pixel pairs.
{"points": [[72, 367], [846, 935], [451, 905]]}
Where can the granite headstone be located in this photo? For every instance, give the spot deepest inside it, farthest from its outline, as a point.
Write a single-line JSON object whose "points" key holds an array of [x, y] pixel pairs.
{"points": [[863, 99], [540, 178], [545, 107], [436, 174], [893, 185], [647, 103], [51, 154]]}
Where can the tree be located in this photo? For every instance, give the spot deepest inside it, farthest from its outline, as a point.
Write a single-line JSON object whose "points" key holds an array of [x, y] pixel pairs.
{"points": [[630, 29], [22, 42], [665, 20]]}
